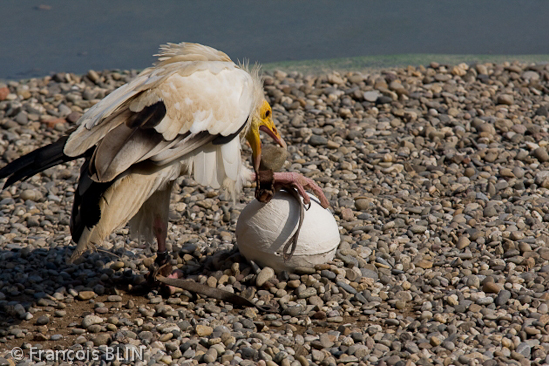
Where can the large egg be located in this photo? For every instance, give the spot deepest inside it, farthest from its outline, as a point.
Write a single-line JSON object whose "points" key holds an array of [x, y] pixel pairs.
{"points": [[263, 229]]}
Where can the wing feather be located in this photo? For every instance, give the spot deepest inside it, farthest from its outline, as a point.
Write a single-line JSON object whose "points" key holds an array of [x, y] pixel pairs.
{"points": [[120, 149], [178, 151], [231, 161], [119, 203], [205, 172], [184, 115], [186, 51], [206, 99], [221, 173]]}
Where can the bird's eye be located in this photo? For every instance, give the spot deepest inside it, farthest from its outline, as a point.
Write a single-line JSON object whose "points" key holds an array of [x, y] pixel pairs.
{"points": [[267, 113]]}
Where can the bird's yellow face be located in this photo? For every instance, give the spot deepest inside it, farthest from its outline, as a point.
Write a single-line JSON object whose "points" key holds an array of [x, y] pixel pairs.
{"points": [[262, 121]]}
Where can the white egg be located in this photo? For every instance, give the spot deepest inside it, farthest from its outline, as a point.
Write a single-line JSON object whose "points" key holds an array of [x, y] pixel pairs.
{"points": [[263, 229]]}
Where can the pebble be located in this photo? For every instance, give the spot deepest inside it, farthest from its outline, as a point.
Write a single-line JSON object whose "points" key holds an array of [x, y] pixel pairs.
{"points": [[90, 320], [86, 295], [316, 140], [362, 204], [503, 297], [42, 320], [524, 349], [203, 330], [371, 96], [505, 99], [491, 288], [101, 340], [541, 154], [418, 229], [266, 274], [346, 287], [463, 242], [437, 179]]}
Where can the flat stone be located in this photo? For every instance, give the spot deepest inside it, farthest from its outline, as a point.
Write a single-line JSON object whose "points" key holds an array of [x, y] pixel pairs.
{"points": [[203, 330], [418, 229], [425, 264], [316, 140], [346, 287], [91, 320], [524, 349], [86, 295], [506, 99], [371, 96]]}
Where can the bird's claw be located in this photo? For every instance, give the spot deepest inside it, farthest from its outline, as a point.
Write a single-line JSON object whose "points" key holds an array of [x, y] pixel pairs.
{"points": [[160, 267], [269, 182], [302, 184], [164, 270]]}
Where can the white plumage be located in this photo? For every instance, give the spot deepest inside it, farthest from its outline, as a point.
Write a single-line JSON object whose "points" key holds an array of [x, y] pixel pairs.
{"points": [[205, 94], [185, 115]]}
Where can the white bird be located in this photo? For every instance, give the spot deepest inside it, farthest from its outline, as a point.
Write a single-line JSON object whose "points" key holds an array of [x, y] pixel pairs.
{"points": [[185, 115]]}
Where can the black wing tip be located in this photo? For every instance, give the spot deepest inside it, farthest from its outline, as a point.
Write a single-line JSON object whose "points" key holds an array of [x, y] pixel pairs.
{"points": [[35, 162]]}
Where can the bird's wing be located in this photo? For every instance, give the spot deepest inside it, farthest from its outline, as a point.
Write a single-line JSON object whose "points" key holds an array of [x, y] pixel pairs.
{"points": [[169, 111]]}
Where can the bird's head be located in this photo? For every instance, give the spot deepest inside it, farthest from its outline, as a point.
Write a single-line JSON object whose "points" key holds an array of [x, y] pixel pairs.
{"points": [[262, 120]]}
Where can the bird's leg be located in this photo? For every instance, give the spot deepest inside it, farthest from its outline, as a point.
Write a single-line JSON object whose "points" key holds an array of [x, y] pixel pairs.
{"points": [[161, 265], [295, 180], [160, 230]]}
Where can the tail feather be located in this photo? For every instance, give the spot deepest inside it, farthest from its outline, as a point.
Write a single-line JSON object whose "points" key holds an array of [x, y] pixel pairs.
{"points": [[35, 162], [111, 207]]}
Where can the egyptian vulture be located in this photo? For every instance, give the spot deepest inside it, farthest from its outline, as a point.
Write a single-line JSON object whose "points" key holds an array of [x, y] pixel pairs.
{"points": [[185, 115]]}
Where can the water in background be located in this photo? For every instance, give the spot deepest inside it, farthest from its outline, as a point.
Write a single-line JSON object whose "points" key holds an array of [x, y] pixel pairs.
{"points": [[41, 37]]}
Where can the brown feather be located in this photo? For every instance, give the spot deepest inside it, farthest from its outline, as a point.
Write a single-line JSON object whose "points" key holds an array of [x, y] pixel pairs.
{"points": [[120, 149]]}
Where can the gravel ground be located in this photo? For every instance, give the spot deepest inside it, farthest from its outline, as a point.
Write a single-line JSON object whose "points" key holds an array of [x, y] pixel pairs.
{"points": [[438, 177]]}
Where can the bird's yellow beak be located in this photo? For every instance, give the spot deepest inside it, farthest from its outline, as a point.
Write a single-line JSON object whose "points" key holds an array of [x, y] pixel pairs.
{"points": [[263, 122]]}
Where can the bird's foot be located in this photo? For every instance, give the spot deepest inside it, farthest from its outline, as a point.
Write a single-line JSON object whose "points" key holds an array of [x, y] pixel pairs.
{"points": [[162, 267], [269, 182], [175, 274], [156, 270]]}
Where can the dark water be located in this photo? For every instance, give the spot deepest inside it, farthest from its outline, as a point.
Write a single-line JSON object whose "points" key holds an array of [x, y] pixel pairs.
{"points": [[40, 37]]}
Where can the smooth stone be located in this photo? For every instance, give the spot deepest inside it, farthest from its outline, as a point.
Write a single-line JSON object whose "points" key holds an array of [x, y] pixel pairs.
{"points": [[86, 295], [418, 229], [42, 320], [463, 242], [491, 288], [506, 99], [101, 339], [503, 297], [266, 274], [203, 330], [541, 154], [90, 320], [316, 140]]}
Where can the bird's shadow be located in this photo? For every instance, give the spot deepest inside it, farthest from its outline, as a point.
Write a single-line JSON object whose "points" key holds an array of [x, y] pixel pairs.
{"points": [[41, 278]]}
